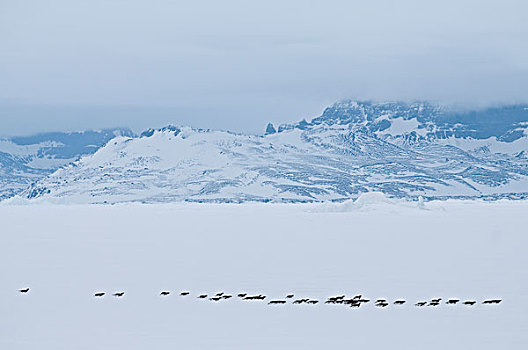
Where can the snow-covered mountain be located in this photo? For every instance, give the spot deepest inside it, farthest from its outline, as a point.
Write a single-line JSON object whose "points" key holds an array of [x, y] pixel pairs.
{"points": [[403, 150], [24, 160]]}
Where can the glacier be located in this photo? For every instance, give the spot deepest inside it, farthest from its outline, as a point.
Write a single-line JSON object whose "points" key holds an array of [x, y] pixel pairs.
{"points": [[404, 150]]}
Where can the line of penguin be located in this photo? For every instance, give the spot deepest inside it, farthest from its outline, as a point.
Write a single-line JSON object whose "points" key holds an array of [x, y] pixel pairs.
{"points": [[355, 301]]}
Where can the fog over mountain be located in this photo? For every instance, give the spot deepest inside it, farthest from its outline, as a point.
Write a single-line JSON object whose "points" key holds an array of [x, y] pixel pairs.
{"points": [[236, 65]]}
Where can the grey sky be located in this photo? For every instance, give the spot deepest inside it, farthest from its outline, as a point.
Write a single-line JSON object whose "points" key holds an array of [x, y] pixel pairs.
{"points": [[68, 65]]}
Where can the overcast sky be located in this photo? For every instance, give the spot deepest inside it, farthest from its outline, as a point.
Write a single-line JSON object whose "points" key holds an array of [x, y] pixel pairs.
{"points": [[70, 65]]}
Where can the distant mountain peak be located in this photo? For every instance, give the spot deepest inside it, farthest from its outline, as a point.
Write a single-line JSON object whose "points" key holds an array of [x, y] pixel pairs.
{"points": [[422, 119], [401, 149], [270, 129], [25, 159]]}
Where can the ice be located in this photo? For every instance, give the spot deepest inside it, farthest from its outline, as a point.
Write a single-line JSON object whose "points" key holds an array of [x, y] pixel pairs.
{"points": [[393, 250], [365, 201]]}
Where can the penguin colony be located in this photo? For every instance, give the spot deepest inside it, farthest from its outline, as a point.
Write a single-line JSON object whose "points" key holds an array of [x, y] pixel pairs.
{"points": [[354, 302]]}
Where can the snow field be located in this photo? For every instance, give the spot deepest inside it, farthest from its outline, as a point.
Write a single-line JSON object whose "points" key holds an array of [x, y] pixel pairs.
{"points": [[378, 248]]}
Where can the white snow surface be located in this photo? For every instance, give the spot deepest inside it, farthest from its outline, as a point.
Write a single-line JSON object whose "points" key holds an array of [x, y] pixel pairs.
{"points": [[492, 144], [400, 126], [374, 246], [25, 150]]}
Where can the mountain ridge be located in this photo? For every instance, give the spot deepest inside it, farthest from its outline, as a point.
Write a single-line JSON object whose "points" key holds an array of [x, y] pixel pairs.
{"points": [[26, 159], [334, 157]]}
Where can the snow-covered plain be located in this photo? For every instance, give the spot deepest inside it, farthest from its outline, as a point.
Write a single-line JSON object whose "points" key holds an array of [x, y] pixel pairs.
{"points": [[382, 249]]}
